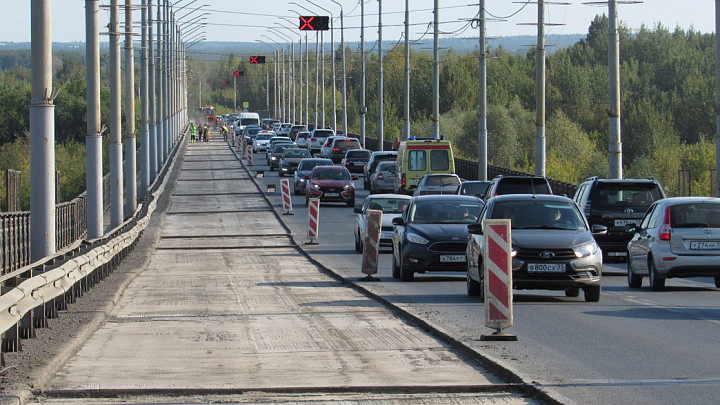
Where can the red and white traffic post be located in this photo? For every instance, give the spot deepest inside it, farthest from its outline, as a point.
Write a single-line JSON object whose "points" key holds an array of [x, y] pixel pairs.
{"points": [[285, 192], [313, 220], [250, 155], [371, 241], [498, 278]]}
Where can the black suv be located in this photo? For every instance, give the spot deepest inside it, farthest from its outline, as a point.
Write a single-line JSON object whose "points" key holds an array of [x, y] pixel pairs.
{"points": [[517, 185], [618, 204], [371, 165]]}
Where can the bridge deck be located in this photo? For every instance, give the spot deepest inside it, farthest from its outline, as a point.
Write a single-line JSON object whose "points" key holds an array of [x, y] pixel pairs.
{"points": [[227, 301]]}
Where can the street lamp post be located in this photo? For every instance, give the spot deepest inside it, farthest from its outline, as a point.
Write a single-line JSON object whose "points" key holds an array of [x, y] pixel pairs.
{"points": [[332, 45], [344, 73]]}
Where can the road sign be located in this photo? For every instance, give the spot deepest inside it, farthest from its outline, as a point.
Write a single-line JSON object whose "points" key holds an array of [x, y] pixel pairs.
{"points": [[287, 201], [246, 104], [239, 73], [257, 59], [313, 220], [373, 226], [498, 278], [314, 23]]}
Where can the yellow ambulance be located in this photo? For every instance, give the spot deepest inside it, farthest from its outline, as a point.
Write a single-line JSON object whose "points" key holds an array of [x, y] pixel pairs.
{"points": [[417, 157]]}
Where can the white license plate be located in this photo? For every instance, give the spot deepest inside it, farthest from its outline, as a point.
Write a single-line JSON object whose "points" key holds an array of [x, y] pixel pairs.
{"points": [[414, 181], [358, 164], [386, 235], [546, 268], [452, 258], [332, 194], [704, 245], [624, 222]]}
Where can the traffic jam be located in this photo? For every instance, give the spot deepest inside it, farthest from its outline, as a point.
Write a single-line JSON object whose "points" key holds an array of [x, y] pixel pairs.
{"points": [[430, 220]]}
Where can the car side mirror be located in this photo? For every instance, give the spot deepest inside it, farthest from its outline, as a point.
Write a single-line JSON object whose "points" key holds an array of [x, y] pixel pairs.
{"points": [[598, 229], [475, 229], [358, 210], [631, 228], [398, 221]]}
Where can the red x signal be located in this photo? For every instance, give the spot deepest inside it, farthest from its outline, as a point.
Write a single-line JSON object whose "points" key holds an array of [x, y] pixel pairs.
{"points": [[237, 73], [305, 24], [253, 59]]}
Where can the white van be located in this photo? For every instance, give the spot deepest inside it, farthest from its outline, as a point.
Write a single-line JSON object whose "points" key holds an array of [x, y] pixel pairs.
{"points": [[249, 118]]}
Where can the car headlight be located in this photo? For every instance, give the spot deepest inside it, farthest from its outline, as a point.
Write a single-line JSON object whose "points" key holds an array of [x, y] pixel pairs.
{"points": [[587, 249], [316, 187], [273, 158], [415, 238], [347, 187], [301, 179]]}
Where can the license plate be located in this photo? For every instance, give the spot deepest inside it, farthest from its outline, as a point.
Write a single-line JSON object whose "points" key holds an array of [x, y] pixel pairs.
{"points": [[546, 268], [704, 245], [386, 235], [358, 164], [332, 194], [452, 258], [414, 181], [624, 222]]}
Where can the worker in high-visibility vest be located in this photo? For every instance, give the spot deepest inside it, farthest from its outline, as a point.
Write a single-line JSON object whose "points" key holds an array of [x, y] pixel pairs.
{"points": [[206, 133], [225, 131], [192, 132]]}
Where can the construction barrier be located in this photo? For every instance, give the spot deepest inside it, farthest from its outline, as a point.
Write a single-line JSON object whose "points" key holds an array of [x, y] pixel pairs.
{"points": [[371, 241], [287, 201], [498, 278], [313, 220], [249, 155]]}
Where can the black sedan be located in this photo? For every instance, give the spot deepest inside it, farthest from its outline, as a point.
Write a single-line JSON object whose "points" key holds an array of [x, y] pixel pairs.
{"points": [[432, 234]]}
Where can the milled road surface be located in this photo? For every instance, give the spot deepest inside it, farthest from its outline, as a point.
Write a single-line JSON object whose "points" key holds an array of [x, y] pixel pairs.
{"points": [[227, 304]]}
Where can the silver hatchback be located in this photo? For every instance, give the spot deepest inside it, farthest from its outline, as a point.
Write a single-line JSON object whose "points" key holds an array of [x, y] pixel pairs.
{"points": [[678, 237]]}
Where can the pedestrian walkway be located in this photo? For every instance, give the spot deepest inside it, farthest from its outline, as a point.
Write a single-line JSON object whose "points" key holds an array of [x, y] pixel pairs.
{"points": [[228, 304]]}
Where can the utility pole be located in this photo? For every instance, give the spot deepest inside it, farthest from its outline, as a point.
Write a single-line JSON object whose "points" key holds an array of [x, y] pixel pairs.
{"points": [[344, 73], [363, 107], [130, 162], [93, 139], [166, 80], [436, 73], [159, 132], [322, 83], [42, 134], [540, 93], [151, 97], [380, 123], [307, 81], [116, 163], [717, 97], [615, 147], [406, 99], [145, 126], [482, 132]]}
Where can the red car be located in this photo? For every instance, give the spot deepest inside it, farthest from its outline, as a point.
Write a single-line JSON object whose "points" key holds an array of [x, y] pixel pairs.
{"points": [[331, 184]]}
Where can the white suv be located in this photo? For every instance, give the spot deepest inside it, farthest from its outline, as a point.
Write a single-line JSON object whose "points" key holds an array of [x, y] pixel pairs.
{"points": [[317, 139]]}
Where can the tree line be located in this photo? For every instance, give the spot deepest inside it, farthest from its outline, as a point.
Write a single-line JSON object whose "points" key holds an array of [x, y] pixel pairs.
{"points": [[667, 89]]}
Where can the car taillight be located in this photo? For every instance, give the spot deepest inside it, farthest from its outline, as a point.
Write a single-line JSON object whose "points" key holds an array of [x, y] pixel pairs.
{"points": [[380, 176], [403, 180], [665, 227], [336, 149]]}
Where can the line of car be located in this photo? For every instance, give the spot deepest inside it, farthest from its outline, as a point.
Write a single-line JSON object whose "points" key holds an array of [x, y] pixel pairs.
{"points": [[558, 243]]}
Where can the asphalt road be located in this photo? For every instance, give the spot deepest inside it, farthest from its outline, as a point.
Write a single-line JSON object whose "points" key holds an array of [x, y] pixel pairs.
{"points": [[634, 346]]}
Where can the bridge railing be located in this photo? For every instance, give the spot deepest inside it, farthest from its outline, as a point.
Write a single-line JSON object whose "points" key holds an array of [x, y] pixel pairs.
{"points": [[70, 226]]}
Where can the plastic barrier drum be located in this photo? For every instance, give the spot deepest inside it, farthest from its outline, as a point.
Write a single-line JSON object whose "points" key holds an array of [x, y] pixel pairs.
{"points": [[287, 201], [373, 226], [313, 220], [498, 278]]}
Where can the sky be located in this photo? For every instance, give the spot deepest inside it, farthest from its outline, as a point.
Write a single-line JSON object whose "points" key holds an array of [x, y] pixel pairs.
{"points": [[245, 21]]}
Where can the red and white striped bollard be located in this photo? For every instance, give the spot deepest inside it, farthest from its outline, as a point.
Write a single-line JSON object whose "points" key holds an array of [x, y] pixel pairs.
{"points": [[313, 220], [285, 192], [498, 278]]}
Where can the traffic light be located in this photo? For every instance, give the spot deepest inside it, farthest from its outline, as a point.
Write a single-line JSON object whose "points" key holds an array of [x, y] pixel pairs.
{"points": [[257, 59], [239, 73], [314, 23], [224, 82]]}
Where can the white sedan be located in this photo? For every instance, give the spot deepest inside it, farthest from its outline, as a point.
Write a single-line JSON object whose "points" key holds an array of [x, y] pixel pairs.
{"points": [[392, 206]]}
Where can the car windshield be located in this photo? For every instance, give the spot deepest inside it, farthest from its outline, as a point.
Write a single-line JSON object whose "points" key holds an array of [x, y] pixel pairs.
{"points": [[263, 137], [388, 205], [445, 212], [442, 181], [279, 148], [474, 188], [695, 215], [613, 197], [296, 153], [539, 215], [323, 133], [310, 164], [248, 121], [358, 154], [331, 174], [527, 185]]}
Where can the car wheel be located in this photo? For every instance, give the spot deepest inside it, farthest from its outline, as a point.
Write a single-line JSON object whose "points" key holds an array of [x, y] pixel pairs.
{"points": [[572, 292], [296, 191], [474, 289], [634, 281], [717, 281], [357, 242], [592, 293], [351, 203], [405, 273], [657, 283], [280, 172], [395, 267], [307, 200]]}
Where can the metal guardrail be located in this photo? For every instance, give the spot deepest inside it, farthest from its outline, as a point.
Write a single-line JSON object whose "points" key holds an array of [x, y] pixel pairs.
{"points": [[35, 293]]}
